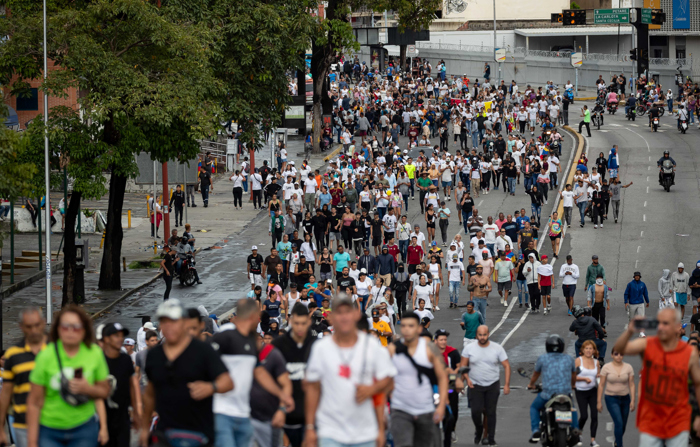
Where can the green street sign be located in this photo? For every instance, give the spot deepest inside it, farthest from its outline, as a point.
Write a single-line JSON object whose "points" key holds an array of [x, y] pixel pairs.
{"points": [[614, 16], [646, 16]]}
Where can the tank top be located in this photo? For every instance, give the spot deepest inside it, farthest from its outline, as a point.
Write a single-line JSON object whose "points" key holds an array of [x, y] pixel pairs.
{"points": [[588, 373], [326, 268], [409, 395], [434, 269], [664, 411], [274, 206], [347, 222]]}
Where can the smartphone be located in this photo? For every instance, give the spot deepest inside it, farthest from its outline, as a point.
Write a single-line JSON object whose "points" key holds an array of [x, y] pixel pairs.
{"points": [[78, 374], [646, 324]]}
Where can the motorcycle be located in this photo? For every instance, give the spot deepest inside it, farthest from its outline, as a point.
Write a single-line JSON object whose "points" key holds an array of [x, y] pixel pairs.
{"points": [[555, 421], [187, 271], [667, 175], [612, 108], [654, 123], [597, 116], [683, 126], [569, 93], [631, 114], [555, 148]]}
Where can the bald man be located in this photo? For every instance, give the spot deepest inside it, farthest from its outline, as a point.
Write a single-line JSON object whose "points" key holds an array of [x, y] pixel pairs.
{"points": [[484, 382], [663, 412]]}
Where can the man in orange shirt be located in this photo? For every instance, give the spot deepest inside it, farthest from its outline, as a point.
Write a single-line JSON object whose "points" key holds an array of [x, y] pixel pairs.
{"points": [[664, 413], [382, 327]]}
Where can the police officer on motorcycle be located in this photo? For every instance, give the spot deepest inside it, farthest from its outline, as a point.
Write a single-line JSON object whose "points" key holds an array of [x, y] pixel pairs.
{"points": [[660, 164], [558, 372]]}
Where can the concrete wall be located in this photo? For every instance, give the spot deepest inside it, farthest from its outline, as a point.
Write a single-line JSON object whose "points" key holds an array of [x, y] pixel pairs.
{"points": [[23, 222]]}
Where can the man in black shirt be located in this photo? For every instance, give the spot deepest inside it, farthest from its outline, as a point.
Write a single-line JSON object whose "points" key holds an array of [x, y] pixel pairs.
{"points": [[320, 226], [168, 269], [295, 346], [346, 283], [125, 389], [467, 205], [178, 200], [255, 262], [205, 184], [183, 374]]}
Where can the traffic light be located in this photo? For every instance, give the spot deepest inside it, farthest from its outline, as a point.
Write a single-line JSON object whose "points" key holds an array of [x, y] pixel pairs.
{"points": [[633, 54], [557, 18], [658, 17], [574, 17], [643, 54], [643, 61]]}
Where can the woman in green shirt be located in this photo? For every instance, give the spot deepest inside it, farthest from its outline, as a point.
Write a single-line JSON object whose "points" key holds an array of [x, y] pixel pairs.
{"points": [[61, 408]]}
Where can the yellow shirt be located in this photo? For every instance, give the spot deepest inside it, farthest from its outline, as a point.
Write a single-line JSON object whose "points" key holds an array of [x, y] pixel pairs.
{"points": [[410, 171], [382, 326]]}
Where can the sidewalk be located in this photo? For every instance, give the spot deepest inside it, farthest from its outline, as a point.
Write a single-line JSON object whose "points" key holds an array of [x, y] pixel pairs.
{"points": [[209, 225]]}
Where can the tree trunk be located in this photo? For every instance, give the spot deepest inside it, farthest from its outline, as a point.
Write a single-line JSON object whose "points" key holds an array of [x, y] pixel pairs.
{"points": [[402, 55], [321, 58], [110, 270], [73, 279]]}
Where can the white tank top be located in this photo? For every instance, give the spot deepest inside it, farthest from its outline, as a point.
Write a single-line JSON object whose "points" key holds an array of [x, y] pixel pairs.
{"points": [[434, 270], [409, 395], [589, 373]]}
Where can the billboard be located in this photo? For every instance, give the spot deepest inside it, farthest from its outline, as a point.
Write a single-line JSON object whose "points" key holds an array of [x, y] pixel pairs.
{"points": [[681, 14]]}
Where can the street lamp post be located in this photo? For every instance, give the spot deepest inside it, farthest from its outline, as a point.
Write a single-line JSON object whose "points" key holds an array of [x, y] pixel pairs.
{"points": [[494, 42], [47, 185]]}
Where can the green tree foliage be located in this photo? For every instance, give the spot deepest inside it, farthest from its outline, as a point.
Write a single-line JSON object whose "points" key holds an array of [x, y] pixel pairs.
{"points": [[15, 174]]}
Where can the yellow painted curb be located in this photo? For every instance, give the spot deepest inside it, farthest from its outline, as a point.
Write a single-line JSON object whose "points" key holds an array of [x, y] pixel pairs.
{"points": [[334, 153], [585, 99], [572, 171]]}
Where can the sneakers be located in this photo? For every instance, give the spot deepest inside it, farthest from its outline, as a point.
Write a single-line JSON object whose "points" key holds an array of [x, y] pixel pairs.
{"points": [[615, 220], [595, 227], [520, 305], [601, 225], [505, 303], [501, 300], [570, 225], [535, 438], [594, 444], [527, 305], [413, 198], [437, 308], [570, 314], [545, 312]]}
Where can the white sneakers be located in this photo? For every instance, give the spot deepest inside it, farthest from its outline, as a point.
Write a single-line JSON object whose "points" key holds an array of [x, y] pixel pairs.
{"points": [[437, 308], [501, 300], [505, 303]]}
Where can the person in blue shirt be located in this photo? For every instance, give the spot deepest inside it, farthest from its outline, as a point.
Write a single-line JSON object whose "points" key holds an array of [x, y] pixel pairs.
{"points": [[520, 220], [636, 297], [558, 371], [340, 260], [324, 198]]}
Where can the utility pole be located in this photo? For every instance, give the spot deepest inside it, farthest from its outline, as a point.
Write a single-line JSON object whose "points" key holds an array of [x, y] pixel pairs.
{"points": [[494, 42], [166, 203], [47, 184]]}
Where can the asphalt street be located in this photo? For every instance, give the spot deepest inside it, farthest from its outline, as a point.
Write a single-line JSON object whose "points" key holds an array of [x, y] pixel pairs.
{"points": [[656, 230]]}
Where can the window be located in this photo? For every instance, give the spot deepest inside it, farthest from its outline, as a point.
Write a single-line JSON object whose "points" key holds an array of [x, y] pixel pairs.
{"points": [[29, 101]]}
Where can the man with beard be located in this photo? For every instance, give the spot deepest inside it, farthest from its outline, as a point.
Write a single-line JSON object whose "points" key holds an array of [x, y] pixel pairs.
{"points": [[295, 346]]}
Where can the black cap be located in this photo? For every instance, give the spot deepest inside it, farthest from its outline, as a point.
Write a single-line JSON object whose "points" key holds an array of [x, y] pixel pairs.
{"points": [[376, 313], [440, 332], [113, 328], [635, 274]]}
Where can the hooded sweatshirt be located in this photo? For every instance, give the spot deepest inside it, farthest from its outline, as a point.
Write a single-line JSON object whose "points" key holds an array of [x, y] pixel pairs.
{"points": [[665, 284], [636, 292], [612, 160], [695, 279], [679, 281]]}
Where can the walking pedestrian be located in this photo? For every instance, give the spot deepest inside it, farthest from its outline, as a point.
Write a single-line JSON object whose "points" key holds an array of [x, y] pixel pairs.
{"points": [[617, 382], [178, 200], [636, 298], [168, 266], [586, 114], [586, 387]]}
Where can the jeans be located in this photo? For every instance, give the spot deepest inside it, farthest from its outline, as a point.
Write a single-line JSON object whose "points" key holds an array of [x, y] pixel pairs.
{"points": [[536, 211], [264, 434], [529, 181], [232, 431], [522, 290], [189, 193], [480, 305], [363, 305], [538, 405], [491, 248], [409, 430], [616, 208], [670, 105], [328, 442], [178, 213], [454, 292], [20, 436], [511, 185], [403, 249], [4, 210], [483, 401], [381, 211], [582, 209], [619, 409], [465, 218], [84, 435], [245, 184], [645, 440], [205, 194]]}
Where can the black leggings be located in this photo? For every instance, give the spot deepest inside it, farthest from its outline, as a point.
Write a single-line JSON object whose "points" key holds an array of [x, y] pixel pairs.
{"points": [[238, 197], [496, 179], [486, 180], [443, 229], [347, 239], [522, 126], [586, 399], [257, 198]]}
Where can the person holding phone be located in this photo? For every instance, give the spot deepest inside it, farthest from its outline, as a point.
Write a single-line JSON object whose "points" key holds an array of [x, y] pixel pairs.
{"points": [[67, 384]]}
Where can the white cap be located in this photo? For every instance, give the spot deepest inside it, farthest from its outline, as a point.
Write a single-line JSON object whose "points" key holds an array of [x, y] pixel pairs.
{"points": [[254, 247], [363, 270], [149, 326], [129, 342], [170, 309]]}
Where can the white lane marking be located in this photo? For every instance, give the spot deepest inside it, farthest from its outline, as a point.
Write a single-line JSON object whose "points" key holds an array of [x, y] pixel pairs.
{"points": [[647, 181], [647, 186], [616, 125], [635, 263], [480, 203], [539, 248], [649, 167], [661, 130], [644, 218], [602, 131], [635, 125], [645, 203], [638, 248], [650, 158], [642, 234]]}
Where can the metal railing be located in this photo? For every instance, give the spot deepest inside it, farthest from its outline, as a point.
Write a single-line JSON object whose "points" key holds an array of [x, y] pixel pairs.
{"points": [[521, 51]]}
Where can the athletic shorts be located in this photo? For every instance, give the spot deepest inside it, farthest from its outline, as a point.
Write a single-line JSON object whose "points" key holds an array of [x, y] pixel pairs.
{"points": [[545, 290], [681, 298], [507, 285], [256, 279], [333, 236], [558, 236], [569, 290], [376, 241]]}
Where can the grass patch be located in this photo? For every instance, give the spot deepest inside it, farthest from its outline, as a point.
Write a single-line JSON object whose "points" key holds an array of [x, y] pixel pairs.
{"points": [[144, 265]]}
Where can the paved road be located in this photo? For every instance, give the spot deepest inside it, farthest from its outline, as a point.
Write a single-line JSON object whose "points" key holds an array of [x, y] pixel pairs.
{"points": [[647, 238]]}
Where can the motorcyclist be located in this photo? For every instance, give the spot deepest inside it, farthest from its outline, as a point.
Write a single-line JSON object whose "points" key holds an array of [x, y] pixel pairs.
{"points": [[653, 113], [183, 250], [630, 104], [558, 371], [587, 328], [660, 163], [547, 124], [682, 115], [612, 98]]}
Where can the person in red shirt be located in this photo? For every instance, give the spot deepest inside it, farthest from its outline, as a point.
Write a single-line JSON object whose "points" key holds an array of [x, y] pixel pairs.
{"points": [[336, 193], [415, 255], [393, 249], [501, 220], [664, 412]]}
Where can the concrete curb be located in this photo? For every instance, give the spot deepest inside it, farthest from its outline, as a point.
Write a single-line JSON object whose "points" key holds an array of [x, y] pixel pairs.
{"points": [[26, 282], [334, 153], [125, 295], [572, 171]]}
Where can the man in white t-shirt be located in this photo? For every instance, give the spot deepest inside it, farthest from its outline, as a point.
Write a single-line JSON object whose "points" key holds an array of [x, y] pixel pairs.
{"points": [[455, 277], [344, 371], [567, 197], [483, 381], [490, 233], [553, 162]]}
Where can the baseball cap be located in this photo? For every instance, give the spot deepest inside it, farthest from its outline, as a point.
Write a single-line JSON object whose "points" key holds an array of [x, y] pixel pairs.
{"points": [[254, 247], [170, 309], [544, 257], [363, 270], [455, 256], [329, 281], [375, 313], [149, 326], [129, 342], [433, 243], [594, 257], [113, 328], [440, 332]]}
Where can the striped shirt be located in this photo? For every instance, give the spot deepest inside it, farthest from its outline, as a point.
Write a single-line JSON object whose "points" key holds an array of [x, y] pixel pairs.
{"points": [[19, 363]]}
